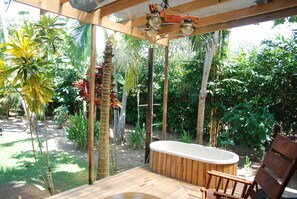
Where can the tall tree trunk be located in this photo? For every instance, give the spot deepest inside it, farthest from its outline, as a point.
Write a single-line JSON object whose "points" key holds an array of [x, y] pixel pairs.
{"points": [[213, 130], [150, 102], [103, 152], [202, 97], [214, 127], [116, 115], [138, 103], [85, 108], [122, 121]]}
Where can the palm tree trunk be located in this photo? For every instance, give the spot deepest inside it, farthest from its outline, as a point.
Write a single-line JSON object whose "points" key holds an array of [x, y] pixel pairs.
{"points": [[103, 153], [202, 97]]}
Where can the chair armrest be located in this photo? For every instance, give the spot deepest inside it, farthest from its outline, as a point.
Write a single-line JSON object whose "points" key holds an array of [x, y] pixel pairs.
{"points": [[229, 177]]}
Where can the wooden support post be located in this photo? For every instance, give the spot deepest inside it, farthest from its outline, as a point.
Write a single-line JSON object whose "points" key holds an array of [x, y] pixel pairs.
{"points": [[149, 114], [92, 106], [165, 95]]}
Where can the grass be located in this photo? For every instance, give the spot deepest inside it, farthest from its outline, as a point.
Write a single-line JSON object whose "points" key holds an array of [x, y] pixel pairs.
{"points": [[17, 165]]}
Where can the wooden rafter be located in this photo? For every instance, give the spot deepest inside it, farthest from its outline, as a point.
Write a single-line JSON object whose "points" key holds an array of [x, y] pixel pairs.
{"points": [[118, 6], [187, 7], [211, 22], [273, 6], [236, 23], [95, 18]]}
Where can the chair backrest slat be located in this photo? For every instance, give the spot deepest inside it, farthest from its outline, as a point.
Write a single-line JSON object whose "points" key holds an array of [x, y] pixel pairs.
{"points": [[277, 168], [270, 185], [285, 147], [277, 164]]}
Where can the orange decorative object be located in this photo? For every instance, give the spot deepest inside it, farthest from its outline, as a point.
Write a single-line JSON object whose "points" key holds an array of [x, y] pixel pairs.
{"points": [[171, 18]]}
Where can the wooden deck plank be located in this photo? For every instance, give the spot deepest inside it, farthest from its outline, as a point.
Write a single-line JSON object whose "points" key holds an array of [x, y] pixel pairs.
{"points": [[103, 184], [139, 179]]}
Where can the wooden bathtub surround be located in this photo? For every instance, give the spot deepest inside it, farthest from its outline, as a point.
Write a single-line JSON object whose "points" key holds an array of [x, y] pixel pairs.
{"points": [[274, 174], [187, 170]]}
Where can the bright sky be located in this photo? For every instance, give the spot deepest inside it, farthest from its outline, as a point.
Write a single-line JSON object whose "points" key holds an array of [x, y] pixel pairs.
{"points": [[254, 34], [245, 35]]}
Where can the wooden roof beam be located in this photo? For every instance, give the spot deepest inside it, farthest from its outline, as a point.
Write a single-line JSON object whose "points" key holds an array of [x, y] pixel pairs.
{"points": [[119, 5], [66, 10], [240, 14], [187, 7], [242, 22]]}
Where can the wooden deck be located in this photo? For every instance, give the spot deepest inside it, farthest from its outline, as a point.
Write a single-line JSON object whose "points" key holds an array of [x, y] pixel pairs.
{"points": [[139, 179]]}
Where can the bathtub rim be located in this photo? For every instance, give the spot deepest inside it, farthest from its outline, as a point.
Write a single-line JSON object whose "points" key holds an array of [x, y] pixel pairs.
{"points": [[233, 160]]}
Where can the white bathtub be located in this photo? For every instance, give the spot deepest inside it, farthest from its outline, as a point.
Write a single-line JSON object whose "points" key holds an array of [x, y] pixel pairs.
{"points": [[190, 162], [195, 152]]}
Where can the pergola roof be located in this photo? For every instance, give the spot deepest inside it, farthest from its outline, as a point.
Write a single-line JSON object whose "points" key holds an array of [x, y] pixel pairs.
{"points": [[214, 14]]}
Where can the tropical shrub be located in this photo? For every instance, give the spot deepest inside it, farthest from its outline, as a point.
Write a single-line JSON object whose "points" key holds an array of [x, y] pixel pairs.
{"points": [[251, 124], [137, 138], [78, 130], [61, 116]]}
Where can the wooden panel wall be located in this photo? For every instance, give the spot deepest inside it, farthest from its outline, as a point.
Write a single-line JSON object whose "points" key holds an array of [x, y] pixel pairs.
{"points": [[187, 170]]}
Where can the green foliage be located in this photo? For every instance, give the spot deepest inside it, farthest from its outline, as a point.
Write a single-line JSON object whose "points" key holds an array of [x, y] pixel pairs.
{"points": [[61, 115], [78, 130], [292, 19], [137, 138], [186, 137], [251, 124], [225, 140], [29, 68], [66, 93], [250, 91]]}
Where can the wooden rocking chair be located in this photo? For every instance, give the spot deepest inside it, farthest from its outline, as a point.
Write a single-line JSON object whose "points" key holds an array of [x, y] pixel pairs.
{"points": [[274, 174]]}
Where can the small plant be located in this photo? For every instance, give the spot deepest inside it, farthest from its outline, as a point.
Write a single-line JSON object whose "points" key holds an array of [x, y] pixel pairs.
{"points": [[247, 166], [186, 137], [60, 116], [225, 140], [136, 137], [78, 130]]}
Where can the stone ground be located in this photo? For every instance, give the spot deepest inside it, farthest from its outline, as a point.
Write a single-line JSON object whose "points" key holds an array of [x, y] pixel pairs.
{"points": [[127, 157]]}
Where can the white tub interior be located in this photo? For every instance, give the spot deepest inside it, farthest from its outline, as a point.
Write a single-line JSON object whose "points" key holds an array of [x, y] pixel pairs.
{"points": [[195, 152]]}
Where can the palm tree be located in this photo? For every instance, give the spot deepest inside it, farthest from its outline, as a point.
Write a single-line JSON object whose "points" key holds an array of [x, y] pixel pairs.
{"points": [[126, 60], [103, 159]]}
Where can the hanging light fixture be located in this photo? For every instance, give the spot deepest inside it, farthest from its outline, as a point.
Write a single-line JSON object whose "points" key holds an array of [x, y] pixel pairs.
{"points": [[157, 17], [155, 20], [187, 27], [151, 31]]}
